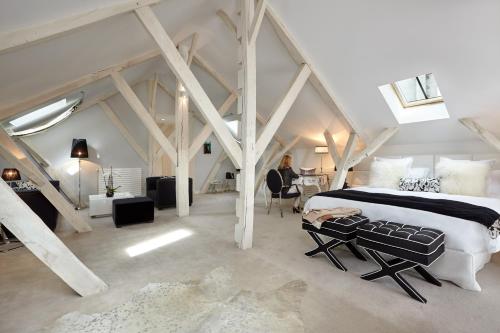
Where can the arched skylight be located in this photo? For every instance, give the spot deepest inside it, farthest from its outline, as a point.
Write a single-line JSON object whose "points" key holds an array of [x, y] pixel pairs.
{"points": [[43, 117]]}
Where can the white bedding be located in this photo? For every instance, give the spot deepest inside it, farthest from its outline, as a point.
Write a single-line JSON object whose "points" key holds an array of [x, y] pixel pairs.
{"points": [[468, 243]]}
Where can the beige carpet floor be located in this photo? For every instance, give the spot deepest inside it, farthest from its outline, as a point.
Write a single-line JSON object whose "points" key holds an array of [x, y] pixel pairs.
{"points": [[32, 297]]}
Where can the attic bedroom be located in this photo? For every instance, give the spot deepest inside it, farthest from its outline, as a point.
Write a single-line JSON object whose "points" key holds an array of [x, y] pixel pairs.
{"points": [[249, 166]]}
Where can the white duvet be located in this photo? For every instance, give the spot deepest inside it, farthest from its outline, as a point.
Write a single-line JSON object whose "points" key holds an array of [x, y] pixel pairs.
{"points": [[468, 243]]}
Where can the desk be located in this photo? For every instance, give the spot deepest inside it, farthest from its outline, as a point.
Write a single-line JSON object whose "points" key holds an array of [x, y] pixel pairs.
{"points": [[313, 180]]}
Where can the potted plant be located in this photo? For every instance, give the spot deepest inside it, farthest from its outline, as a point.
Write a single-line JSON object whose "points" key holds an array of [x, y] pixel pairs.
{"points": [[108, 183]]}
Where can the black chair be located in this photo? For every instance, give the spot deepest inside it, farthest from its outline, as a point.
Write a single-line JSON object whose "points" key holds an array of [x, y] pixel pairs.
{"points": [[162, 191], [274, 183]]}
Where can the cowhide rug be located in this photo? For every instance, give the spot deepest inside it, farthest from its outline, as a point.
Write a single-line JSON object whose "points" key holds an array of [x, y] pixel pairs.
{"points": [[213, 304]]}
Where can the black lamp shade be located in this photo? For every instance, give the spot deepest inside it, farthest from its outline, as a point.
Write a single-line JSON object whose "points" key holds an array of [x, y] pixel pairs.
{"points": [[79, 148], [351, 169], [11, 175]]}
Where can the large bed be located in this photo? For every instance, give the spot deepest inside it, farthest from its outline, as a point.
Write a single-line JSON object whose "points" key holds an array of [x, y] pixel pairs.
{"points": [[469, 244]]}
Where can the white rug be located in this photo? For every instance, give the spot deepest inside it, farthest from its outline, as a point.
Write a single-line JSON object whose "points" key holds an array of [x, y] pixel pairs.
{"points": [[213, 304]]}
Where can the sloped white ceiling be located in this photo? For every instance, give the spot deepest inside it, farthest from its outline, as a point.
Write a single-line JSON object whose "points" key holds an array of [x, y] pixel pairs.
{"points": [[359, 45], [356, 45]]}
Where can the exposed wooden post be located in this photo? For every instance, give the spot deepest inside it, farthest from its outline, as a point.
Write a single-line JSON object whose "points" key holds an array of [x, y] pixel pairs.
{"points": [[481, 132], [372, 147], [12, 154], [152, 89], [207, 129], [18, 217], [213, 172], [181, 70], [148, 121], [247, 84], [281, 110], [123, 130], [182, 142], [342, 167], [263, 168]]}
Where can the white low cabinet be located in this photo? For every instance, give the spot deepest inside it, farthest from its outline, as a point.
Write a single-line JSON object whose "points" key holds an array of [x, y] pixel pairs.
{"points": [[101, 205]]}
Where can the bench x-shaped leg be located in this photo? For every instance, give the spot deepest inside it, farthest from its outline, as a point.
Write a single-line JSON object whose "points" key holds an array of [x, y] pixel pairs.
{"points": [[327, 248], [393, 268]]}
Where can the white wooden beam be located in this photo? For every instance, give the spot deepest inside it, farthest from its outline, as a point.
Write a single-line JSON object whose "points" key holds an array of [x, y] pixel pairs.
{"points": [[148, 121], [189, 81], [12, 40], [316, 80], [342, 167], [182, 143], [213, 172], [372, 147], [206, 131], [227, 21], [332, 147], [18, 217], [152, 89], [481, 132], [243, 233], [69, 87], [257, 21], [12, 154], [123, 130], [192, 50], [281, 110]]}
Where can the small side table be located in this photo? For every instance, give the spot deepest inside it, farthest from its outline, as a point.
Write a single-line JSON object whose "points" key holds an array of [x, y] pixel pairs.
{"points": [[101, 205]]}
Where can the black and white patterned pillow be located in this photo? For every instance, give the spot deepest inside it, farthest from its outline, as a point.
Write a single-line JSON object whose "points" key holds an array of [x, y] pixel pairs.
{"points": [[420, 184], [24, 186]]}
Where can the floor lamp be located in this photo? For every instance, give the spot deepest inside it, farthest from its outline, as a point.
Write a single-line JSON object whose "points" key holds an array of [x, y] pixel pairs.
{"points": [[322, 150], [79, 150]]}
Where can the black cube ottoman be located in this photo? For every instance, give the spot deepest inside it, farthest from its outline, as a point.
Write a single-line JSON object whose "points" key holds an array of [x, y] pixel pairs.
{"points": [[132, 211], [412, 247], [342, 230]]}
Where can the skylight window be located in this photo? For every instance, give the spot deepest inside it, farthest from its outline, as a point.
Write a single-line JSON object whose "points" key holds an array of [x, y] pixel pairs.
{"points": [[42, 118], [415, 99], [419, 90], [39, 114]]}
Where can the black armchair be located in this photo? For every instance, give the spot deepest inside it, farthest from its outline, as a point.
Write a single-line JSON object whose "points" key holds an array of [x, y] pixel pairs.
{"points": [[162, 191]]}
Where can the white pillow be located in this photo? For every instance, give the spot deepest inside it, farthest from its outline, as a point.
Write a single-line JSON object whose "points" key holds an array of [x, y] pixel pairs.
{"points": [[418, 173], [493, 184], [463, 177], [386, 172]]}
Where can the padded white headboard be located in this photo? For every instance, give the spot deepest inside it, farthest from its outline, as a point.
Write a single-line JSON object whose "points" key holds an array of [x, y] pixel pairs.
{"points": [[361, 171]]}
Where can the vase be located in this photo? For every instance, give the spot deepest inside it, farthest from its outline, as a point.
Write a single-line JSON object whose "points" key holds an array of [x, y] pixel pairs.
{"points": [[110, 194]]}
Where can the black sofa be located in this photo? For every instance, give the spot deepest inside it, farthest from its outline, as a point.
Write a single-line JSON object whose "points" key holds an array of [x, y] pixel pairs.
{"points": [[40, 205], [162, 191]]}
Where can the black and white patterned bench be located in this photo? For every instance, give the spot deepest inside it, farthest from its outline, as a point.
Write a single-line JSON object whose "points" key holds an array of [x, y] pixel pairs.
{"points": [[341, 230], [412, 246]]}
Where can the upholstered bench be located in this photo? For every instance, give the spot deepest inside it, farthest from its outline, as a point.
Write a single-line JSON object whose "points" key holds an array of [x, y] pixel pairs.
{"points": [[132, 211], [341, 230], [412, 247]]}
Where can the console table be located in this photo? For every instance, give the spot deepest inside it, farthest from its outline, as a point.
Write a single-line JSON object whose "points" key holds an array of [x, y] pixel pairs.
{"points": [[101, 205]]}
